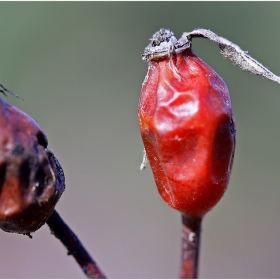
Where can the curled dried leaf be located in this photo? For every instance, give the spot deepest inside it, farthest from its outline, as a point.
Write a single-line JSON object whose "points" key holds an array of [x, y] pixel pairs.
{"points": [[164, 43], [233, 53]]}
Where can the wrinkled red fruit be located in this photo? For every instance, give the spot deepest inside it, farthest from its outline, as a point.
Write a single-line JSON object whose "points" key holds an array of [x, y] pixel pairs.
{"points": [[188, 130], [31, 178]]}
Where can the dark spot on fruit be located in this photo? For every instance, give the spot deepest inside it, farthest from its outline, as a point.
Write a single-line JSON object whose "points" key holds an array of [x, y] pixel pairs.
{"points": [[18, 150], [24, 174]]}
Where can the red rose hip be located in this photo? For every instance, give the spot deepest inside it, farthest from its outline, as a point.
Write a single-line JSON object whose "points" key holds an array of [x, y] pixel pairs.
{"points": [[187, 126], [31, 178]]}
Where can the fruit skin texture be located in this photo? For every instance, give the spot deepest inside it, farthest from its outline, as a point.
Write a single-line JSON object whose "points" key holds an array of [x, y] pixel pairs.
{"points": [[188, 130]]}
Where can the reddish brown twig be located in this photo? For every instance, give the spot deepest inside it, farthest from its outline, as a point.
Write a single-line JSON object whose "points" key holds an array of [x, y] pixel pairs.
{"points": [[74, 246], [190, 247]]}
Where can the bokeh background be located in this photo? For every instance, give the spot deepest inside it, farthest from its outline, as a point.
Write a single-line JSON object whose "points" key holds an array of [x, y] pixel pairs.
{"points": [[77, 66]]}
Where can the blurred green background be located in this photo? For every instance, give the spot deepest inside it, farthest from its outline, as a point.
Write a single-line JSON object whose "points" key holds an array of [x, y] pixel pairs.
{"points": [[77, 65]]}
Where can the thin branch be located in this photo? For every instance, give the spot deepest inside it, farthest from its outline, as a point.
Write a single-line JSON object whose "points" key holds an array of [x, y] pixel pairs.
{"points": [[74, 246], [5, 91], [190, 247]]}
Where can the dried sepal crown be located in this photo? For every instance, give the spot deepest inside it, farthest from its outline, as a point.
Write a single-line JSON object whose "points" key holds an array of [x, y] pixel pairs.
{"points": [[164, 43]]}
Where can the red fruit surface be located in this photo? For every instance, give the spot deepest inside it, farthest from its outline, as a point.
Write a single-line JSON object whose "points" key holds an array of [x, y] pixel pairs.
{"points": [[188, 130]]}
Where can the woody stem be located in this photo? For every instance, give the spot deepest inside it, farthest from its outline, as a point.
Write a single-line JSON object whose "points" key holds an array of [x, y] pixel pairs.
{"points": [[190, 246], [75, 248]]}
